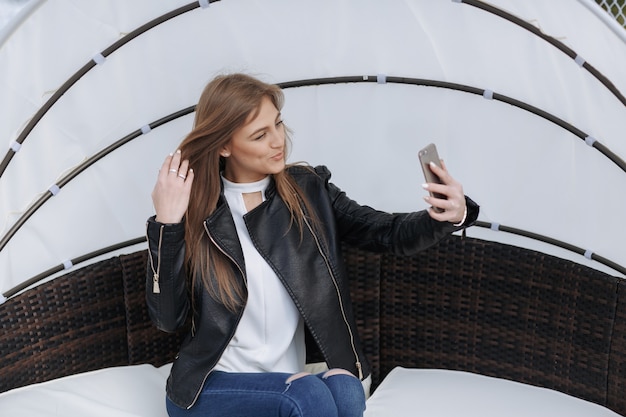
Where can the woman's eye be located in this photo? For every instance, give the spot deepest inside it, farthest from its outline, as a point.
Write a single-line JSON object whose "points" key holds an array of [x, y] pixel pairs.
{"points": [[260, 136], [278, 123]]}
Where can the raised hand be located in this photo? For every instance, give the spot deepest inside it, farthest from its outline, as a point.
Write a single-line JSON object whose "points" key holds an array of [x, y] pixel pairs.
{"points": [[454, 204], [171, 192]]}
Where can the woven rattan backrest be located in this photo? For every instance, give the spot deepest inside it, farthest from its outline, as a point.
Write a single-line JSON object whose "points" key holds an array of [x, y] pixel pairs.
{"points": [[617, 364], [363, 269], [75, 323], [502, 311], [464, 304]]}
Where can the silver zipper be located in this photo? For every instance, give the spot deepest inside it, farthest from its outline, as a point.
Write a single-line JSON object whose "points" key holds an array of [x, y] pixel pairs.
{"points": [[245, 279], [246, 282], [343, 313], [156, 289], [199, 391]]}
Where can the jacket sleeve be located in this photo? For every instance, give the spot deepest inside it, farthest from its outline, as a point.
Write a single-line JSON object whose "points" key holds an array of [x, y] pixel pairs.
{"points": [[399, 233], [166, 284]]}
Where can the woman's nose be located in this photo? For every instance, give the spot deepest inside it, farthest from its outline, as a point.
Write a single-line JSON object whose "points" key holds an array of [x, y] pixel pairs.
{"points": [[278, 138]]}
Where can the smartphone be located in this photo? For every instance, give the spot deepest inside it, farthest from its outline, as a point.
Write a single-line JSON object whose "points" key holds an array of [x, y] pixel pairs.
{"points": [[426, 156]]}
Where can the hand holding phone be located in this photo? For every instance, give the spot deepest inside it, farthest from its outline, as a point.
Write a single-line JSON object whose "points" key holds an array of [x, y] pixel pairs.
{"points": [[426, 156]]}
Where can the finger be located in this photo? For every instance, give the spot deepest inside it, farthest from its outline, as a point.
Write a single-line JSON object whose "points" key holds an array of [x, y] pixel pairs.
{"points": [[175, 163], [436, 202], [166, 165], [436, 188], [454, 207], [440, 171], [189, 179], [182, 170], [448, 180], [435, 215], [445, 197]]}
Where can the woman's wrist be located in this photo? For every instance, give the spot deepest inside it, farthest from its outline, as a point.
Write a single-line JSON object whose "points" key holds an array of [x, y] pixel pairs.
{"points": [[463, 219]]}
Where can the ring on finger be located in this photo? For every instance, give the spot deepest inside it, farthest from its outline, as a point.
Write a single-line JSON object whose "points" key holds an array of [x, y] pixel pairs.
{"points": [[182, 176], [173, 170]]}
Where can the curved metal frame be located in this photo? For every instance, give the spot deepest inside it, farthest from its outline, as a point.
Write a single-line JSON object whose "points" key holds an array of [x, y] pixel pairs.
{"points": [[501, 228], [194, 5], [318, 81], [314, 82], [555, 42], [88, 67]]}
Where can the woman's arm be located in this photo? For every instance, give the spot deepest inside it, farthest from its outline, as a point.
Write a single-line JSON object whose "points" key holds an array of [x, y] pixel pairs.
{"points": [[399, 233], [167, 294]]}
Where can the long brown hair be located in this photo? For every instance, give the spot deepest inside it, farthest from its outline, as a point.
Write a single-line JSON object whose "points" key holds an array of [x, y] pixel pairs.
{"points": [[225, 105]]}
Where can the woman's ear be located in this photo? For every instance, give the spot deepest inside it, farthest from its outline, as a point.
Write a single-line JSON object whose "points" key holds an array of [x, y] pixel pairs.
{"points": [[225, 152]]}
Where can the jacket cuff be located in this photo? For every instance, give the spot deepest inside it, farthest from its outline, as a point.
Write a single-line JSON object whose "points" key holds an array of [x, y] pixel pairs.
{"points": [[473, 210], [154, 226], [164, 235]]}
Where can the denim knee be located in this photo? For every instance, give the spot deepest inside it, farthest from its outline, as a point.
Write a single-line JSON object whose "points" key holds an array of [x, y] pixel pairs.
{"points": [[348, 394], [308, 396]]}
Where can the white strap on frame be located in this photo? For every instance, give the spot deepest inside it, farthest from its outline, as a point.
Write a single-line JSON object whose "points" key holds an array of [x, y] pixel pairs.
{"points": [[204, 3], [488, 94], [16, 146], [590, 140], [54, 189], [99, 59], [588, 253], [67, 264], [145, 129], [381, 79], [495, 227], [579, 60]]}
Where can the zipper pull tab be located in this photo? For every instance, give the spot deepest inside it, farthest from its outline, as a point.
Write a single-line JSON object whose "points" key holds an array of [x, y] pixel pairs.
{"points": [[155, 284]]}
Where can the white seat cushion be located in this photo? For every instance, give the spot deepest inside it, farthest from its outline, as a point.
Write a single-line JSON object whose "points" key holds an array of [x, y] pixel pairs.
{"points": [[137, 391], [127, 391], [442, 393]]}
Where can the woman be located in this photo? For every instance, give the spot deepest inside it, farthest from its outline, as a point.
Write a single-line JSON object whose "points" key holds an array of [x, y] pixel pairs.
{"points": [[248, 249]]}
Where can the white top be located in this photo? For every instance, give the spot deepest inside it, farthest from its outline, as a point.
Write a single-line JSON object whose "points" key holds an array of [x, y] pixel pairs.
{"points": [[270, 335]]}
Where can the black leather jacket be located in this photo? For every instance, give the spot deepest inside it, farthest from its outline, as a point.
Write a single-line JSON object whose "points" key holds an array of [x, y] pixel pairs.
{"points": [[315, 277]]}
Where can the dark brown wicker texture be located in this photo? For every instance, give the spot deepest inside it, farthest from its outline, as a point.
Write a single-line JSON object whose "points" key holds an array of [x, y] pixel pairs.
{"points": [[502, 311], [72, 324], [464, 304], [616, 398]]}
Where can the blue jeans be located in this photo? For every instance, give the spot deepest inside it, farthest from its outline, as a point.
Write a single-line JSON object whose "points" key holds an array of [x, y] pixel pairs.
{"points": [[271, 395]]}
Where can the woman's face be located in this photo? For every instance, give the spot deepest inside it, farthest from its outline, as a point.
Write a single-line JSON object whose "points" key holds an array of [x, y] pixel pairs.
{"points": [[256, 148]]}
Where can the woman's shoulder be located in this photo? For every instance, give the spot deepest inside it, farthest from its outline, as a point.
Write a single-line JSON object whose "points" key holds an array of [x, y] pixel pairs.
{"points": [[303, 172]]}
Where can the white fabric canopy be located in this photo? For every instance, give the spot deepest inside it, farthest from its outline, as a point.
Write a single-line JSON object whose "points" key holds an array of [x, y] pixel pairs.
{"points": [[524, 170]]}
